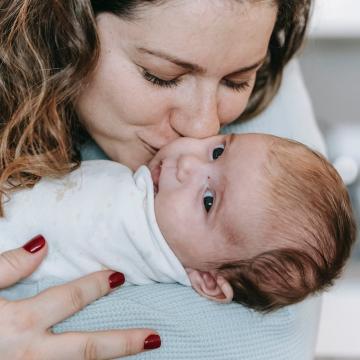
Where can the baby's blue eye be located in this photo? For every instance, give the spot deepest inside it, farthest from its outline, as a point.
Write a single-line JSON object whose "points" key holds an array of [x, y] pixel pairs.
{"points": [[218, 151], [208, 200]]}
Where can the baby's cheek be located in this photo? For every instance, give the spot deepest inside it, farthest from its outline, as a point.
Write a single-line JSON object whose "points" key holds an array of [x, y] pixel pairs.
{"points": [[163, 213], [168, 215]]}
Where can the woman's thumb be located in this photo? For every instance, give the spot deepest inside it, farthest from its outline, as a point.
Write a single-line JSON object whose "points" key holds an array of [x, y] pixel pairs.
{"points": [[19, 263]]}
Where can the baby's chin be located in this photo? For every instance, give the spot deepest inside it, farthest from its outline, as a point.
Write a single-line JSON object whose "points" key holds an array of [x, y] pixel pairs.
{"points": [[154, 160], [155, 171]]}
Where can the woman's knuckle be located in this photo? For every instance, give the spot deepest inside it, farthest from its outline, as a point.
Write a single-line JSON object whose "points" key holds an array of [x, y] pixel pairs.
{"points": [[77, 297], [99, 286], [11, 260], [90, 350], [128, 347]]}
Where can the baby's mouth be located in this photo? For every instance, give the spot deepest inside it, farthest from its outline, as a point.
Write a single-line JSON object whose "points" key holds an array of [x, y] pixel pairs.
{"points": [[155, 175]]}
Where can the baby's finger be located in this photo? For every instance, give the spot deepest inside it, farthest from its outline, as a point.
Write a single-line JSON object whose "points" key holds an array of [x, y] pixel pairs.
{"points": [[103, 344], [19, 263], [57, 303]]}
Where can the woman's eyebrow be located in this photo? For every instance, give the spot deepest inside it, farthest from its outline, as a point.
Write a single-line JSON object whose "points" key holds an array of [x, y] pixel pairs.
{"points": [[184, 64], [246, 69], [195, 67]]}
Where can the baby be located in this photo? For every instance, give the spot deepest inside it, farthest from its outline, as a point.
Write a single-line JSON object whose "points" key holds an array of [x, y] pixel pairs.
{"points": [[253, 218]]}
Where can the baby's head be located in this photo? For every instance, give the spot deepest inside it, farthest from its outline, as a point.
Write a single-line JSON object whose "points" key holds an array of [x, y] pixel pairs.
{"points": [[253, 218]]}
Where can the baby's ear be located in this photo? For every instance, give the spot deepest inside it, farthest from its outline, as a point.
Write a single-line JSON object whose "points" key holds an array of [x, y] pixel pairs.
{"points": [[211, 285]]}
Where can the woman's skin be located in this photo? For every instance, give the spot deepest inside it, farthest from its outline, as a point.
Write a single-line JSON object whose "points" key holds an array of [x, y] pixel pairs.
{"points": [[25, 325], [131, 114], [182, 68]]}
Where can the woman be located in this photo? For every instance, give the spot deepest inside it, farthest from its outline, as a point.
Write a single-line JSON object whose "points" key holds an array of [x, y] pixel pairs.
{"points": [[133, 76]]}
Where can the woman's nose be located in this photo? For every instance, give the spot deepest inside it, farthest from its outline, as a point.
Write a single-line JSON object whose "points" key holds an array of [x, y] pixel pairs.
{"points": [[189, 166], [198, 118]]}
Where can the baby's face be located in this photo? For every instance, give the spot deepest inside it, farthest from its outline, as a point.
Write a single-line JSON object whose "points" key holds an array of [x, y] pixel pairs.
{"points": [[208, 197]]}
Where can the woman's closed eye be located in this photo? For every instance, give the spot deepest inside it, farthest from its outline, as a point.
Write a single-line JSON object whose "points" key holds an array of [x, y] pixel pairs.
{"points": [[237, 86], [160, 82], [208, 200], [157, 81]]}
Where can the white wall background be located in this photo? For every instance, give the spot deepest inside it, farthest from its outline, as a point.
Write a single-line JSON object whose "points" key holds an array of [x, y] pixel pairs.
{"points": [[331, 68], [331, 61]]}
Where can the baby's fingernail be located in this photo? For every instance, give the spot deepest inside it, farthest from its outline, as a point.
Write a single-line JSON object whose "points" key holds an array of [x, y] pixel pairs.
{"points": [[152, 342], [116, 279], [35, 244]]}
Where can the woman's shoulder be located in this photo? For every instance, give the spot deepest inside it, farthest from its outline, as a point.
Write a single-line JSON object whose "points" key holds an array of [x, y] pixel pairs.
{"points": [[91, 151]]}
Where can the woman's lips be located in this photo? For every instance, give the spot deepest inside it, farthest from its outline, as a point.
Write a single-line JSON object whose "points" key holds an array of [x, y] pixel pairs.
{"points": [[155, 175]]}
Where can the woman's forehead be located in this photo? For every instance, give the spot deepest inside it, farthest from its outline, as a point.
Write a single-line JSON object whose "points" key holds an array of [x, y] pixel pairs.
{"points": [[195, 32], [213, 9], [220, 4]]}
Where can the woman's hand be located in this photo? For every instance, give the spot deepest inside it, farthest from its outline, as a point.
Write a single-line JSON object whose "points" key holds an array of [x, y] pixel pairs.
{"points": [[25, 325]]}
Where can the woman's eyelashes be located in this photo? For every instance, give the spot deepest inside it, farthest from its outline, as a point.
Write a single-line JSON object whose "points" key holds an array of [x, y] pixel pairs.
{"points": [[242, 86], [208, 200], [160, 82]]}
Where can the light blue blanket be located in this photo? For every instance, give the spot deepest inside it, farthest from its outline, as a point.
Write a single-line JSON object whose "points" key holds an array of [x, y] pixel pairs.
{"points": [[192, 327]]}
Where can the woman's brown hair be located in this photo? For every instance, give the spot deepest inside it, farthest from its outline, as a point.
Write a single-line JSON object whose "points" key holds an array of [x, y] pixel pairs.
{"points": [[47, 49]]}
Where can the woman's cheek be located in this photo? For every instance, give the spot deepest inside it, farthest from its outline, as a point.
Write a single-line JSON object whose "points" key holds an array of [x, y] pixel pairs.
{"points": [[233, 106], [145, 106]]}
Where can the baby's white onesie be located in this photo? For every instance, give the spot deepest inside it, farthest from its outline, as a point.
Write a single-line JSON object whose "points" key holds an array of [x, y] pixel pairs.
{"points": [[98, 216]]}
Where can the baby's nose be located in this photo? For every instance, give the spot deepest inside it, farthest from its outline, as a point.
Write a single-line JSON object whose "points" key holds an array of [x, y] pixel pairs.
{"points": [[188, 166]]}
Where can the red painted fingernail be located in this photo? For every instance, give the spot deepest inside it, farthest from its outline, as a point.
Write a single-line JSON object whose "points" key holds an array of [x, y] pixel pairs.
{"points": [[35, 244], [116, 279], [152, 342]]}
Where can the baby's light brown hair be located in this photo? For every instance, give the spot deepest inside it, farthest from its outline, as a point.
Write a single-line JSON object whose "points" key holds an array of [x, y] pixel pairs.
{"points": [[309, 220]]}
